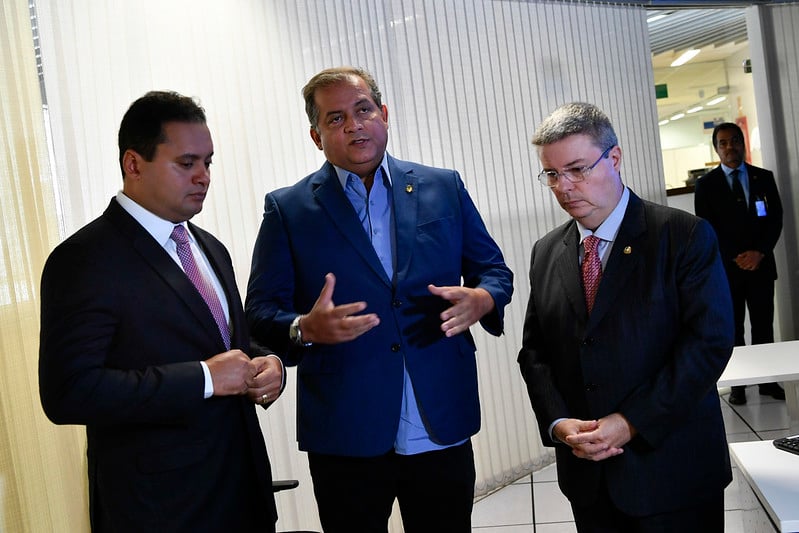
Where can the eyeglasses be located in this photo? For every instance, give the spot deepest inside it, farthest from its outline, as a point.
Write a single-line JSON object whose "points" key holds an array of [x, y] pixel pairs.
{"points": [[574, 174]]}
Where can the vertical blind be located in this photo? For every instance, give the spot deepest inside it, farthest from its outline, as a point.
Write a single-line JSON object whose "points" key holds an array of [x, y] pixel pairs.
{"points": [[465, 83]]}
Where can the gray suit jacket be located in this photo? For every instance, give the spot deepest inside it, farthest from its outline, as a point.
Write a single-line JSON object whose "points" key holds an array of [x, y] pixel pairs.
{"points": [[659, 336]]}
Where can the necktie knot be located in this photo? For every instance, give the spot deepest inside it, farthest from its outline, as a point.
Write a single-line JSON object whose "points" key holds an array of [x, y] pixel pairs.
{"points": [[179, 235], [591, 243]]}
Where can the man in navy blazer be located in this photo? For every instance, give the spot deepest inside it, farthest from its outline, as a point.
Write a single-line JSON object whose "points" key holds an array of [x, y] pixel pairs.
{"points": [[748, 225], [626, 392], [367, 274], [130, 348]]}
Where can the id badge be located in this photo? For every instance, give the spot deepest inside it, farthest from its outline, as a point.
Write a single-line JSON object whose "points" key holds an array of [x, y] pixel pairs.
{"points": [[760, 208]]}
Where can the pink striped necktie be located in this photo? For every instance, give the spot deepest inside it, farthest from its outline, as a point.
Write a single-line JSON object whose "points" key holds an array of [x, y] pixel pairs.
{"points": [[205, 289], [592, 269]]}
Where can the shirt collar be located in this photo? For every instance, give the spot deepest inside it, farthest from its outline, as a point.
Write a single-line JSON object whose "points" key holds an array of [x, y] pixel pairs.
{"points": [[343, 174], [160, 229], [741, 169], [609, 228]]}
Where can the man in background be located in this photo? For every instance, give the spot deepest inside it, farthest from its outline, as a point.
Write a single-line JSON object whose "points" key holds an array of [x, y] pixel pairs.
{"points": [[387, 398], [628, 327], [142, 340], [742, 204]]}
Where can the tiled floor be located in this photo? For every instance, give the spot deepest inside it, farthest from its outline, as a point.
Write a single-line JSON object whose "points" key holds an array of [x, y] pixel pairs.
{"points": [[510, 509]]}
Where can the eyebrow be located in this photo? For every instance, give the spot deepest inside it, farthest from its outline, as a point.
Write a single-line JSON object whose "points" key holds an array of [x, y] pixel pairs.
{"points": [[194, 157], [570, 164]]}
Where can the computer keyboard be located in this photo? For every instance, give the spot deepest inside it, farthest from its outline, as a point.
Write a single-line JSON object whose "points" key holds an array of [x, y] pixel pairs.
{"points": [[789, 444]]}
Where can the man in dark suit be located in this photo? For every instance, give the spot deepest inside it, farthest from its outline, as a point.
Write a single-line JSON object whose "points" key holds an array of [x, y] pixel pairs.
{"points": [[624, 341], [153, 368], [742, 204], [387, 399]]}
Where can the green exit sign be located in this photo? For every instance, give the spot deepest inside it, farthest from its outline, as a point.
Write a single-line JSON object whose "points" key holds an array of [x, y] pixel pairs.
{"points": [[661, 91]]}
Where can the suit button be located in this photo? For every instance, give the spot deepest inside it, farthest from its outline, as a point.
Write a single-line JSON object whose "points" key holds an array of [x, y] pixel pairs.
{"points": [[588, 341], [396, 303], [591, 387], [395, 348]]}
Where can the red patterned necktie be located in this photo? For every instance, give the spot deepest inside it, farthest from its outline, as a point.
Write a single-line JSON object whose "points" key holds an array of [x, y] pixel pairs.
{"points": [[203, 286], [592, 269]]}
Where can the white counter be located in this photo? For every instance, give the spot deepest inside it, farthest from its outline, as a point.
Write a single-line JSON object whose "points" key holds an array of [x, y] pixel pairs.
{"points": [[764, 363], [773, 476]]}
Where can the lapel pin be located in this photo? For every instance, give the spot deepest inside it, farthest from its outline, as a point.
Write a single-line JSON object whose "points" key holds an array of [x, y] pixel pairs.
{"points": [[409, 188], [628, 250]]}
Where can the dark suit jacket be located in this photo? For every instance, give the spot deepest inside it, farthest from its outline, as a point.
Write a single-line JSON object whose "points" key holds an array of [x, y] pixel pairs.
{"points": [[122, 333], [658, 338], [349, 394], [715, 202]]}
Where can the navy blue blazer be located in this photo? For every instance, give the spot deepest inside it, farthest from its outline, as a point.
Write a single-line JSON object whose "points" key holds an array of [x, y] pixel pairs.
{"points": [[122, 333], [715, 202], [349, 394], [656, 342]]}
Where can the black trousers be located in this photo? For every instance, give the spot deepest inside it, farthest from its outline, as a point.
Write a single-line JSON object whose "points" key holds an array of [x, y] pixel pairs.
{"points": [[435, 490], [753, 290], [604, 517]]}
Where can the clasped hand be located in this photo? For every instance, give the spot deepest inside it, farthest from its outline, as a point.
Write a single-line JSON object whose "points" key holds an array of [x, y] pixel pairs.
{"points": [[749, 260], [595, 440], [234, 373]]}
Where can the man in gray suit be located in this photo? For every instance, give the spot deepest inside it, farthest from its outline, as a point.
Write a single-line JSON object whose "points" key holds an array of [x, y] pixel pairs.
{"points": [[621, 367]]}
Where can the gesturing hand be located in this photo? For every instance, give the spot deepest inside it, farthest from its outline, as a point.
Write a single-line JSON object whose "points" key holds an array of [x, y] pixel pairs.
{"points": [[328, 323], [468, 306]]}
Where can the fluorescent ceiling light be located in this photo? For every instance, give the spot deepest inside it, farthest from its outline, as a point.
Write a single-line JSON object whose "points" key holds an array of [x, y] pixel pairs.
{"points": [[685, 57], [678, 116], [663, 122], [694, 109], [655, 17], [716, 100]]}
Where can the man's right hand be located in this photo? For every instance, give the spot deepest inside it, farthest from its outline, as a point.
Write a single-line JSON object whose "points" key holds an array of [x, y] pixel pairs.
{"points": [[230, 372], [328, 323]]}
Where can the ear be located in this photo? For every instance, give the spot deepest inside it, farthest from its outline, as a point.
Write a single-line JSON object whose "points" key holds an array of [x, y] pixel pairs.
{"points": [[131, 162], [615, 157], [317, 139]]}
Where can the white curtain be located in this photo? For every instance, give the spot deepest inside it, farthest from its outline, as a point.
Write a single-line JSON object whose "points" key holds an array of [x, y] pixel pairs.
{"points": [[465, 84], [42, 467]]}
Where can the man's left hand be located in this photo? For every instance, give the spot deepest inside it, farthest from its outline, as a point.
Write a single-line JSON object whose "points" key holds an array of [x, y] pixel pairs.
{"points": [[468, 306]]}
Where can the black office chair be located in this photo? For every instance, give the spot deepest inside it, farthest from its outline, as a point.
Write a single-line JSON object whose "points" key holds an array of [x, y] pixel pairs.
{"points": [[288, 484]]}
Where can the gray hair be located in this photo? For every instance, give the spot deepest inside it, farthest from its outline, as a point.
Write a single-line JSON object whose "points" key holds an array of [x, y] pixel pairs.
{"points": [[576, 118]]}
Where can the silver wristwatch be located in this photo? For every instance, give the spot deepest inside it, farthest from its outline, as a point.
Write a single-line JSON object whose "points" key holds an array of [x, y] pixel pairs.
{"points": [[295, 333]]}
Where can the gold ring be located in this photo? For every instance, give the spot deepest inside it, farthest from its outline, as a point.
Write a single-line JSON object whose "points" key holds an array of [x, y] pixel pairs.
{"points": [[264, 398]]}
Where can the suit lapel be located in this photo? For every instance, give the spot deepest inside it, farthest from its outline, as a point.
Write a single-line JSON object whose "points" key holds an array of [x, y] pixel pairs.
{"points": [[567, 265], [406, 188], [625, 255], [328, 192], [154, 255], [218, 260]]}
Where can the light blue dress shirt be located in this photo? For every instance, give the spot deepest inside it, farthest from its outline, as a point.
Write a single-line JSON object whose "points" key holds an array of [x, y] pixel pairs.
{"points": [[375, 210]]}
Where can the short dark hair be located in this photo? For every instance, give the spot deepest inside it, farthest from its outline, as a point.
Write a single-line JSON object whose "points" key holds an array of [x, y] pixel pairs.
{"points": [[142, 127], [726, 126], [332, 76]]}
